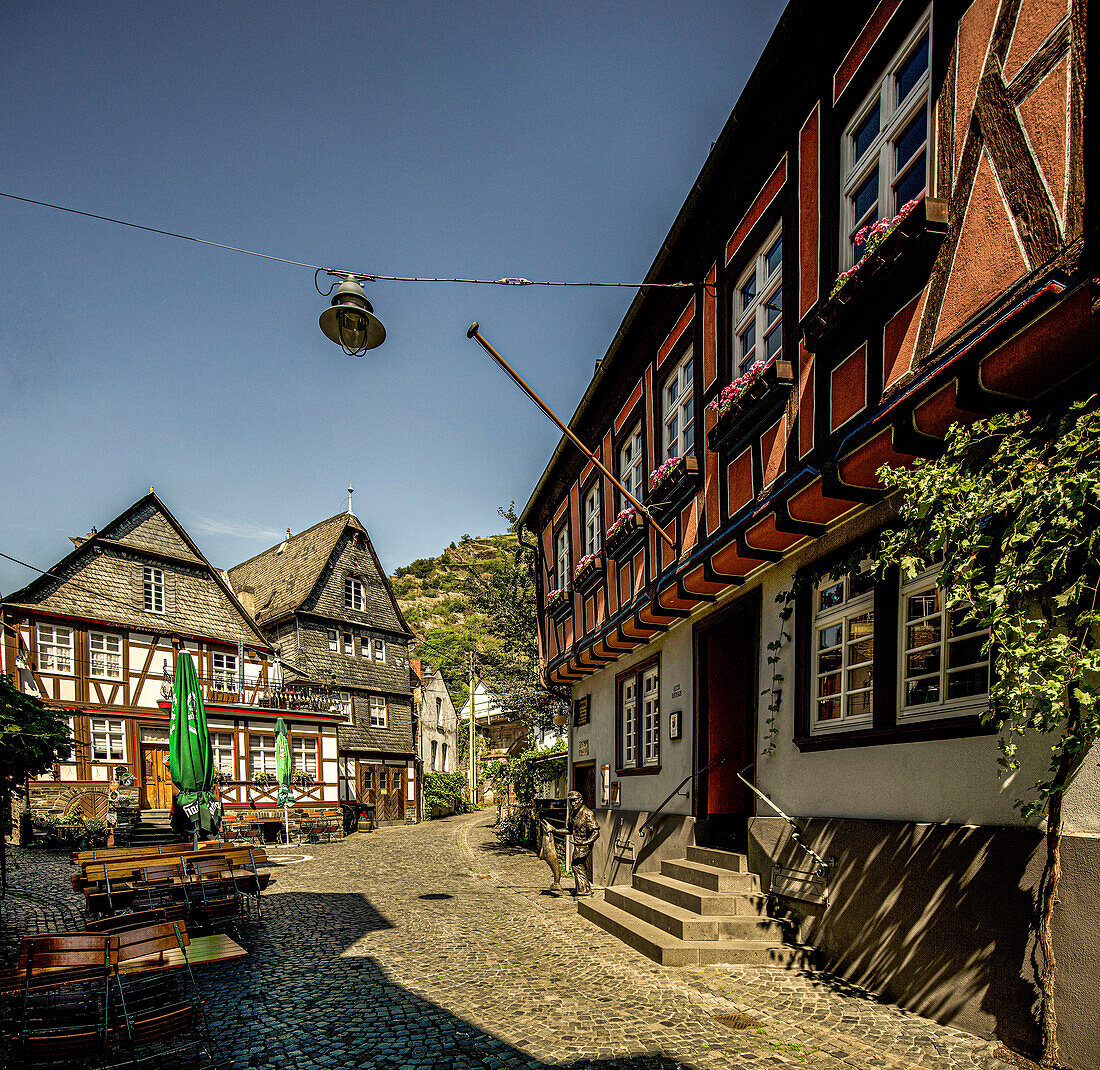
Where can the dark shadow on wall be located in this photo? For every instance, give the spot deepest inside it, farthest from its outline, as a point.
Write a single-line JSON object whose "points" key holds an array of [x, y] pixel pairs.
{"points": [[933, 917]]}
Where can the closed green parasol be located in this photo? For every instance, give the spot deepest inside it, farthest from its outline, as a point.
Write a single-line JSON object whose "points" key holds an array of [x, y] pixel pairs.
{"points": [[189, 757], [285, 797]]}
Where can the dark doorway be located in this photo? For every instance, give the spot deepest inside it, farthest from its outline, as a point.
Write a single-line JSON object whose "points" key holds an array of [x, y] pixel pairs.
{"points": [[727, 649], [584, 781]]}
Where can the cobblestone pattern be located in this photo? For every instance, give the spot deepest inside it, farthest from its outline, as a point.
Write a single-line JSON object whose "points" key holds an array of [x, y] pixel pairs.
{"points": [[434, 946]]}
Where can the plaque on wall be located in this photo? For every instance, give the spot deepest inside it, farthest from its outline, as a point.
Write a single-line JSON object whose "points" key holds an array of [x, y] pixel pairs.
{"points": [[674, 728], [582, 749]]}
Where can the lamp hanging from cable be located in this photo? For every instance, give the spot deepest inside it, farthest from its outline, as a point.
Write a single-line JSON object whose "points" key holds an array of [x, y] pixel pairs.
{"points": [[350, 320]]}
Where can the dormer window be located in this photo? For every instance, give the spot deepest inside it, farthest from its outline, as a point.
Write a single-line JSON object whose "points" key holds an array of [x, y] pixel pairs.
{"points": [[884, 152], [153, 590]]}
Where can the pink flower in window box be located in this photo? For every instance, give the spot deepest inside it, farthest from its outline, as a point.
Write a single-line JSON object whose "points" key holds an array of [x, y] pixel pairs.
{"points": [[585, 566], [557, 598]]}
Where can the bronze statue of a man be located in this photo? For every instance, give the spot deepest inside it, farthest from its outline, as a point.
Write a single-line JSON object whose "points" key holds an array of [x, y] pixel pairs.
{"points": [[585, 832]]}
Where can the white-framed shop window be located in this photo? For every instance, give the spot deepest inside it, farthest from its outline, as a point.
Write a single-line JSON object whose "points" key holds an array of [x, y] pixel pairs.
{"points": [[593, 532], [843, 653], [678, 409], [303, 754], [378, 713], [152, 590], [651, 717], [562, 573], [221, 746], [224, 672], [628, 723], [105, 655], [108, 739], [944, 669], [630, 464], [884, 149], [55, 648], [758, 307]]}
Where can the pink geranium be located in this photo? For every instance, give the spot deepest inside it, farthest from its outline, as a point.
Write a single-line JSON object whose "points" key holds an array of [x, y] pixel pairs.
{"points": [[621, 521], [586, 564], [733, 393], [871, 237]]}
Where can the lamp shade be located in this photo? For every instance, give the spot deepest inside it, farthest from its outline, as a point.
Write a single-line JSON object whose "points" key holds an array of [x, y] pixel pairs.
{"points": [[350, 320]]}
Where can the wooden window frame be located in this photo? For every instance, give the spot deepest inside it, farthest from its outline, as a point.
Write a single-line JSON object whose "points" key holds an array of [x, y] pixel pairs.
{"points": [[372, 699], [347, 644], [637, 674], [94, 634], [332, 637], [634, 433], [563, 562], [592, 535], [306, 737], [768, 286], [375, 642], [684, 354], [214, 748], [353, 589], [108, 733], [46, 652], [894, 118], [152, 583], [220, 676], [264, 738]]}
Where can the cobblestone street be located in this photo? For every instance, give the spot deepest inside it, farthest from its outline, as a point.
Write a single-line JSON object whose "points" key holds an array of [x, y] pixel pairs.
{"points": [[433, 946]]}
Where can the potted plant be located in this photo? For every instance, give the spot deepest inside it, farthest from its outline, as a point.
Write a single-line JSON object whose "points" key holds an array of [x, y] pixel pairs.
{"points": [[264, 780], [557, 599], [587, 570], [871, 237], [301, 779], [751, 393], [621, 535], [670, 478]]}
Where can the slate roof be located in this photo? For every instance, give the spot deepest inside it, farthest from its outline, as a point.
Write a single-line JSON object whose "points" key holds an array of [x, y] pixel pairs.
{"points": [[291, 576], [100, 579]]}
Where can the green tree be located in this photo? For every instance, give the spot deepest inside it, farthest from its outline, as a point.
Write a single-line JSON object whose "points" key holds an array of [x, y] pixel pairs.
{"points": [[32, 737], [1012, 509]]}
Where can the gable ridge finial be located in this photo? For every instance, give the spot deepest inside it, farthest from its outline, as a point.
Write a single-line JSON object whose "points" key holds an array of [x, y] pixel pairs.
{"points": [[351, 491]]}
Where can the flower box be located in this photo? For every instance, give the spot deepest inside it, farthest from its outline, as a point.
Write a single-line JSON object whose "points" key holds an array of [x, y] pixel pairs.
{"points": [[621, 539], [897, 249], [670, 483], [588, 572], [558, 601], [742, 409]]}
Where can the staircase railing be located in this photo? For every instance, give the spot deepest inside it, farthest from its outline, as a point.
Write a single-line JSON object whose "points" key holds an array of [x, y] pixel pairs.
{"points": [[650, 824], [796, 832]]}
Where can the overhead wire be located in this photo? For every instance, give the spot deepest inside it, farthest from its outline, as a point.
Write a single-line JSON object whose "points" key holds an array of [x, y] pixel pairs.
{"points": [[362, 276]]}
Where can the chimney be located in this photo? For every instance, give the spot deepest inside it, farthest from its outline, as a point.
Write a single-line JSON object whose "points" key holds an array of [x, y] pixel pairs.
{"points": [[247, 597]]}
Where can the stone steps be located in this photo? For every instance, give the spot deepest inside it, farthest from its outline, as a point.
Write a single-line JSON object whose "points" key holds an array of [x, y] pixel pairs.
{"points": [[705, 908]]}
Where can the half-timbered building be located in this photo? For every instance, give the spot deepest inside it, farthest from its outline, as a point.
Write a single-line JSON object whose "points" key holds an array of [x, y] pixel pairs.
{"points": [[322, 598], [98, 635], [888, 236]]}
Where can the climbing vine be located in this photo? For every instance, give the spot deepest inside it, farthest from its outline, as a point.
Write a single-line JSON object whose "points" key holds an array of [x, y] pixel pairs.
{"points": [[774, 694]]}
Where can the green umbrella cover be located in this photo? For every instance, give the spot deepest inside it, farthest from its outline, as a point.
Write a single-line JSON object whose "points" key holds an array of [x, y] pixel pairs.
{"points": [[282, 765], [190, 760]]}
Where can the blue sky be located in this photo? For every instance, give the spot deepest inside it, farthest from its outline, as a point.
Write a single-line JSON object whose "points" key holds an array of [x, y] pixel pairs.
{"points": [[549, 141]]}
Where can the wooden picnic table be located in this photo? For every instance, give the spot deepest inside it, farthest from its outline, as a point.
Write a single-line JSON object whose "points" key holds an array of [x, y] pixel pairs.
{"points": [[203, 951]]}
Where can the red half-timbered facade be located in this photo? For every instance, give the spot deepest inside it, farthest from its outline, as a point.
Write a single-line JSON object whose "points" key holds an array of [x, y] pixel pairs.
{"points": [[890, 235]]}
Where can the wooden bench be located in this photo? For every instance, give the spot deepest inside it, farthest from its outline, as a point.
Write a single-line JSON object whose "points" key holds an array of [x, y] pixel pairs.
{"points": [[316, 823], [124, 854]]}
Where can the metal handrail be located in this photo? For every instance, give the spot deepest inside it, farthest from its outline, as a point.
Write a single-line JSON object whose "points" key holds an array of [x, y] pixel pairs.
{"points": [[720, 760], [796, 832]]}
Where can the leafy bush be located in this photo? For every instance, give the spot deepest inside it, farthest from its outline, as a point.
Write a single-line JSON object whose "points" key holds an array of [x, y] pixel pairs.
{"points": [[516, 829], [445, 791]]}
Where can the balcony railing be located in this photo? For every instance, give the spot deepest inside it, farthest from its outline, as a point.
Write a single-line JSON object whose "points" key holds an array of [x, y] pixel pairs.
{"points": [[263, 796], [224, 689]]}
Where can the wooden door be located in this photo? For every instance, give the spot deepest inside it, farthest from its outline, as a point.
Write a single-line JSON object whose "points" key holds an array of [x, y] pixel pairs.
{"points": [[726, 711], [156, 780], [584, 781], [395, 793]]}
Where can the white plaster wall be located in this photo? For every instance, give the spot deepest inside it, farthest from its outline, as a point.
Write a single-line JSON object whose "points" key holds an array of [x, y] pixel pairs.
{"points": [[951, 780], [643, 792]]}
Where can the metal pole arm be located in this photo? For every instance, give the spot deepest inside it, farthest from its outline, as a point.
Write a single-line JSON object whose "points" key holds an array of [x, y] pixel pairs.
{"points": [[475, 333]]}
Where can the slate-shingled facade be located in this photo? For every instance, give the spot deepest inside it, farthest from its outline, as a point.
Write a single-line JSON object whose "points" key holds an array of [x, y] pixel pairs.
{"points": [[322, 598], [99, 635]]}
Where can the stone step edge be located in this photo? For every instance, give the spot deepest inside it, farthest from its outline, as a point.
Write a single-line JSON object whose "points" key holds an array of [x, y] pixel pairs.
{"points": [[695, 891], [734, 861], [684, 916]]}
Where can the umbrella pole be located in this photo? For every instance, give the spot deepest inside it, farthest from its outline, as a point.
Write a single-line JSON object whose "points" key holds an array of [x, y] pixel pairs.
{"points": [[286, 827]]}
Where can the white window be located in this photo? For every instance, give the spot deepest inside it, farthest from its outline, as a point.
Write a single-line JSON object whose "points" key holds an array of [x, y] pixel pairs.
{"points": [[562, 572], [108, 740], [843, 653], [630, 464], [758, 308], [333, 640], [55, 648], [884, 152], [303, 754], [353, 593], [379, 649], [593, 533], [628, 723], [343, 699], [943, 666], [439, 712], [349, 644], [105, 655], [225, 672], [261, 755], [651, 717], [377, 711], [153, 590], [678, 409], [221, 746]]}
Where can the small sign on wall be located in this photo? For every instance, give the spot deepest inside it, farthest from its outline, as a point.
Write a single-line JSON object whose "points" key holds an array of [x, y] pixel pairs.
{"points": [[677, 691], [613, 799], [582, 749], [605, 784], [675, 730]]}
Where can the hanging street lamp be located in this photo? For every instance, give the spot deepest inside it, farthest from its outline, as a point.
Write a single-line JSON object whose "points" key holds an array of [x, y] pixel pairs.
{"points": [[350, 320]]}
